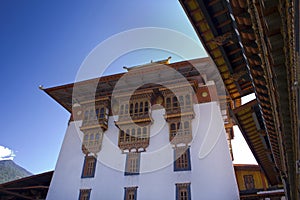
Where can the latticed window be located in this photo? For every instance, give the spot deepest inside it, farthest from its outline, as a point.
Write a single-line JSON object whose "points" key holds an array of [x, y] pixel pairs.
{"points": [[180, 129], [92, 114], [183, 191], [89, 167], [145, 134], [249, 182], [132, 166], [139, 108], [175, 103], [146, 108], [168, 103], [136, 108], [178, 102], [92, 139], [139, 134], [173, 130], [84, 194], [101, 116], [133, 134], [182, 159], [130, 193], [122, 136]]}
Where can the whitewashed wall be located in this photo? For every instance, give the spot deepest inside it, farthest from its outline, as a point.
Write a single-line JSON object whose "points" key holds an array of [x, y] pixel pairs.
{"points": [[211, 177]]}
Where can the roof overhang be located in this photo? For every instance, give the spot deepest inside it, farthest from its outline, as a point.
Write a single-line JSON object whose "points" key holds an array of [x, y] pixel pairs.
{"points": [[258, 40]]}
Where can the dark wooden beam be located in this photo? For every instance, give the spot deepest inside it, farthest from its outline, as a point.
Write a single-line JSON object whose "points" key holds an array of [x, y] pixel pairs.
{"points": [[2, 190]]}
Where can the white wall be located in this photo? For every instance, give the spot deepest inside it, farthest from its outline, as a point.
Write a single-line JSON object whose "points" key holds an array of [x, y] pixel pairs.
{"points": [[211, 177]]}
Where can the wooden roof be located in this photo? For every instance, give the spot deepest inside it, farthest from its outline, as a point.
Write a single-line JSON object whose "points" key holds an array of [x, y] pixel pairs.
{"points": [[253, 43], [31, 187], [247, 167], [251, 125], [212, 22], [104, 86]]}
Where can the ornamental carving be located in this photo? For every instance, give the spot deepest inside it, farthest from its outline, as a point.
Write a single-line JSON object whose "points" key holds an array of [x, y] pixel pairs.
{"points": [[134, 138], [94, 124], [178, 103], [180, 132], [134, 121]]}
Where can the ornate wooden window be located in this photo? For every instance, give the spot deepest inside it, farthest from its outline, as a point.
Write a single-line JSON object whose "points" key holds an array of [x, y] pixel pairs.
{"points": [[249, 182], [134, 138], [183, 191], [96, 115], [84, 194], [92, 140], [180, 132], [146, 108], [102, 114], [89, 167], [130, 193], [131, 109], [174, 103], [168, 103], [132, 166], [182, 160], [138, 108], [139, 133], [89, 116], [134, 124]]}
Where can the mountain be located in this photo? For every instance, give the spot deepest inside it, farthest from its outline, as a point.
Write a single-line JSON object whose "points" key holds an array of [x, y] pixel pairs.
{"points": [[9, 171]]}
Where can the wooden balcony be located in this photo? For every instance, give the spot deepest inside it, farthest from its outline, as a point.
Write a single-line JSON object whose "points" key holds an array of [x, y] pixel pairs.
{"points": [[136, 118], [100, 122], [179, 111], [91, 146], [138, 143]]}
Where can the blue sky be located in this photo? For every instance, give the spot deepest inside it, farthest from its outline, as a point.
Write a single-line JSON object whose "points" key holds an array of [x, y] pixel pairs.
{"points": [[44, 43]]}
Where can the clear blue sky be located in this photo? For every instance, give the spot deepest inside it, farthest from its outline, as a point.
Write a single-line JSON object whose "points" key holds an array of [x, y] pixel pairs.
{"points": [[44, 42]]}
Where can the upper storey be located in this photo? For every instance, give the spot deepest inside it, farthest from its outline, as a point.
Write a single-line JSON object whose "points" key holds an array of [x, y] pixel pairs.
{"points": [[140, 84]]}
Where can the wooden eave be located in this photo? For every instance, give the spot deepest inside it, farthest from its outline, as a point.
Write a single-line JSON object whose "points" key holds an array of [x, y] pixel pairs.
{"points": [[246, 167], [249, 60], [264, 31], [27, 188], [272, 23], [102, 87], [254, 135], [214, 28]]}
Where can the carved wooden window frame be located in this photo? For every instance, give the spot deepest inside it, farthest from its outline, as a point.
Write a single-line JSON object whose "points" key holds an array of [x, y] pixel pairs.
{"points": [[130, 193], [92, 138], [132, 165], [95, 114], [249, 182], [134, 134], [89, 167], [183, 191], [173, 103], [135, 108], [182, 159], [84, 194], [180, 128]]}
